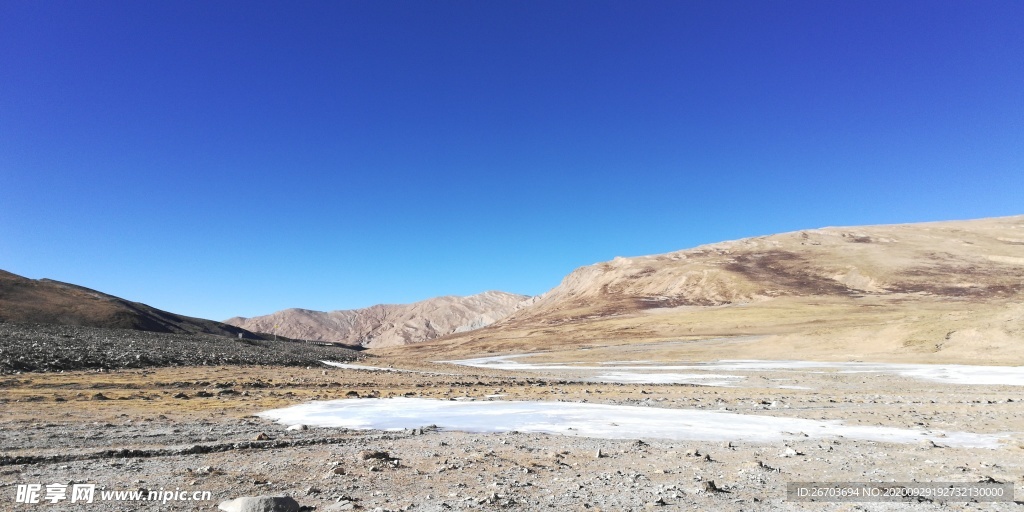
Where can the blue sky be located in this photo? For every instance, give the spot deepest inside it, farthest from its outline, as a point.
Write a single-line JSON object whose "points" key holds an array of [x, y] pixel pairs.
{"points": [[235, 158]]}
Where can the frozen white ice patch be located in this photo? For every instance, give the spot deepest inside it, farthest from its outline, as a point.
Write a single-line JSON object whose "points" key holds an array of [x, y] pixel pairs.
{"points": [[704, 379], [964, 374], [596, 420], [350, 366], [947, 373]]}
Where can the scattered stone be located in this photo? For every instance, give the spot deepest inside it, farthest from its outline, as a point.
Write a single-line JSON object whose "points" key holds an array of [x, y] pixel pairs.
{"points": [[204, 394], [298, 427], [100, 396], [261, 437], [179, 395], [260, 504], [374, 455], [660, 502], [710, 486]]}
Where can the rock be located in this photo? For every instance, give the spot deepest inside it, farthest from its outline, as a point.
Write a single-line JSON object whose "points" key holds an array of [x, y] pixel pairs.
{"points": [[204, 394], [298, 427], [179, 395], [261, 437], [710, 486], [791, 453], [100, 396], [374, 455], [660, 502], [260, 504], [348, 505], [927, 444], [598, 455], [692, 452]]}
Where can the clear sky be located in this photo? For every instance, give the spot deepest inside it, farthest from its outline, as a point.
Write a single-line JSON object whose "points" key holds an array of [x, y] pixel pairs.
{"points": [[239, 157]]}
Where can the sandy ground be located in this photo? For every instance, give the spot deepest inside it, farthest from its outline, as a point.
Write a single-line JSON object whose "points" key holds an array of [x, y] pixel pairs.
{"points": [[127, 430]]}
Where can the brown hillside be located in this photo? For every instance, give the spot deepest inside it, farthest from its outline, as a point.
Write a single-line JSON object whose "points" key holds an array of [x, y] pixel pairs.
{"points": [[944, 291], [386, 325], [45, 301]]}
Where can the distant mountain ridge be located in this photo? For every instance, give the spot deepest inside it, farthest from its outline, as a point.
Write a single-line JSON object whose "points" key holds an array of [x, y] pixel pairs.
{"points": [[386, 325], [930, 292], [45, 301]]}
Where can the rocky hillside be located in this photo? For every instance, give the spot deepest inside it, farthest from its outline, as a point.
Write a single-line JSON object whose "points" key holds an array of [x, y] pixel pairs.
{"points": [[44, 301], [49, 347], [387, 325], [946, 291], [981, 259]]}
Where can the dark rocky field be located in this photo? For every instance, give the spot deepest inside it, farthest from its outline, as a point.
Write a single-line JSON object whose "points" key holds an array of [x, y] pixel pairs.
{"points": [[42, 347]]}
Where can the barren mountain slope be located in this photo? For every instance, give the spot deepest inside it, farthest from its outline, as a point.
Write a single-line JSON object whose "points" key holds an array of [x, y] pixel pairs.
{"points": [[45, 301], [386, 325], [944, 291]]}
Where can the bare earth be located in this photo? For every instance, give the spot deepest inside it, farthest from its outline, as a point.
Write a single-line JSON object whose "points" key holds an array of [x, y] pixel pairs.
{"points": [[55, 429]]}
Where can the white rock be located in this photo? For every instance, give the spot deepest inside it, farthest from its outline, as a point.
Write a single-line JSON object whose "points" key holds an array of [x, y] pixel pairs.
{"points": [[260, 504]]}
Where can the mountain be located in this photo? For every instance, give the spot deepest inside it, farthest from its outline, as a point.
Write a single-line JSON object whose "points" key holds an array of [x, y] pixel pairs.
{"points": [[44, 301], [930, 292], [387, 325]]}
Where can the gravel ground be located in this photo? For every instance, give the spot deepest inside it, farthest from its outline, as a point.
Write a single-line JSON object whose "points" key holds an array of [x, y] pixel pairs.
{"points": [[192, 429], [39, 347]]}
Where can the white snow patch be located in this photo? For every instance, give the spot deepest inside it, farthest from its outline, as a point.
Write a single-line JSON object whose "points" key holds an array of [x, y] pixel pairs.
{"points": [[597, 420], [964, 374], [704, 379], [351, 366], [947, 373]]}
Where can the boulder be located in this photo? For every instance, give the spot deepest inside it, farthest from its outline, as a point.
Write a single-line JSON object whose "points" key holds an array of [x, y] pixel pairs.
{"points": [[260, 504]]}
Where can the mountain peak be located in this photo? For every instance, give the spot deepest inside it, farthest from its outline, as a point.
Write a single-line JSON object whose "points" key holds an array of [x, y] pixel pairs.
{"points": [[384, 325]]}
